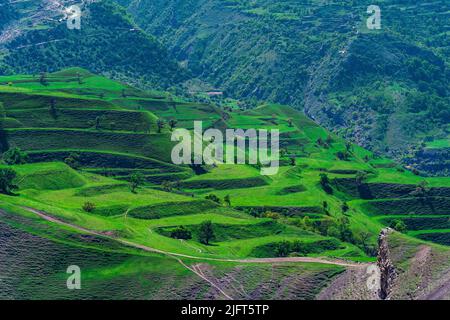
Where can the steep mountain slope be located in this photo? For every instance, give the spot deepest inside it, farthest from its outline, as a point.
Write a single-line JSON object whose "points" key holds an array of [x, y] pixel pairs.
{"points": [[386, 89], [86, 138], [36, 39]]}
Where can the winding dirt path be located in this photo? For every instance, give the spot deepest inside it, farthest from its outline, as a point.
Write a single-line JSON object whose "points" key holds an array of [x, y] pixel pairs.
{"points": [[337, 262], [195, 269]]}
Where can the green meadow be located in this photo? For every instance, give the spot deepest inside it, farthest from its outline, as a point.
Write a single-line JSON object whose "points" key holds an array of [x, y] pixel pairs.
{"points": [[88, 137]]}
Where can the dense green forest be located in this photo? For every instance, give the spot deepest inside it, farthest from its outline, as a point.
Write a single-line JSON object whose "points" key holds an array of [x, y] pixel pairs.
{"points": [[385, 89]]}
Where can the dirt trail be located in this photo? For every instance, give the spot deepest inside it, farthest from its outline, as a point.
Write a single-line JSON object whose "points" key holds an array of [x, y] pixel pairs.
{"points": [[195, 268], [343, 263], [440, 293], [421, 264]]}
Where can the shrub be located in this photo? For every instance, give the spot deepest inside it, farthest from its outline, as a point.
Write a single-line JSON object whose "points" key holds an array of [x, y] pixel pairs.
{"points": [[282, 249], [213, 198], [272, 215], [15, 156], [398, 225], [167, 186], [88, 207], [73, 161], [227, 200], [181, 233], [343, 155], [345, 207], [7, 177], [160, 123]]}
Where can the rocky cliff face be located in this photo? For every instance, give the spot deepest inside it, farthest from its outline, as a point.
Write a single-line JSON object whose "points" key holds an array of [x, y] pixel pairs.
{"points": [[388, 274]]}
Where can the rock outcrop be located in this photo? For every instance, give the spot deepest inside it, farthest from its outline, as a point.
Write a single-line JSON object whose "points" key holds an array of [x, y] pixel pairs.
{"points": [[388, 274]]}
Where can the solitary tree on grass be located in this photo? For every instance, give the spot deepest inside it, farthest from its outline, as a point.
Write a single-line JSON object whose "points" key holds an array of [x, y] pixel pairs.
{"points": [[292, 161], [160, 123], [213, 197], [227, 200], [7, 177], [43, 79], [172, 123], [136, 180], [206, 232]]}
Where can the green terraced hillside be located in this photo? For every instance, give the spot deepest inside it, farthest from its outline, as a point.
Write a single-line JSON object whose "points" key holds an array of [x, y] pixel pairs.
{"points": [[87, 138]]}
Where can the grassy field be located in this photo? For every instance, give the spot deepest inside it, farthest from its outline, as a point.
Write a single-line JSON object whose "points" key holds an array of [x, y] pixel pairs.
{"points": [[314, 206]]}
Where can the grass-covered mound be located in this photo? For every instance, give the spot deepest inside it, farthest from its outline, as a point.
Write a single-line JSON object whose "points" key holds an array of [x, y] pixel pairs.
{"points": [[224, 184], [155, 146], [292, 189], [228, 232], [25, 99], [103, 160], [47, 176], [410, 206], [384, 190], [301, 248], [109, 120], [286, 211], [171, 209]]}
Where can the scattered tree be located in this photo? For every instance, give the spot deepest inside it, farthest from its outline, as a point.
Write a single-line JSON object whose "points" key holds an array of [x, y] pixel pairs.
{"points": [[160, 123], [329, 140], [213, 198], [88, 207], [79, 79], [167, 186], [97, 122], [272, 215], [14, 156], [172, 123], [422, 190], [290, 122], [43, 79], [345, 207], [363, 238], [7, 185], [227, 200], [348, 146], [73, 161], [320, 142], [206, 232], [136, 180], [398, 225], [292, 161], [181, 233], [343, 155], [53, 111], [282, 249]]}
